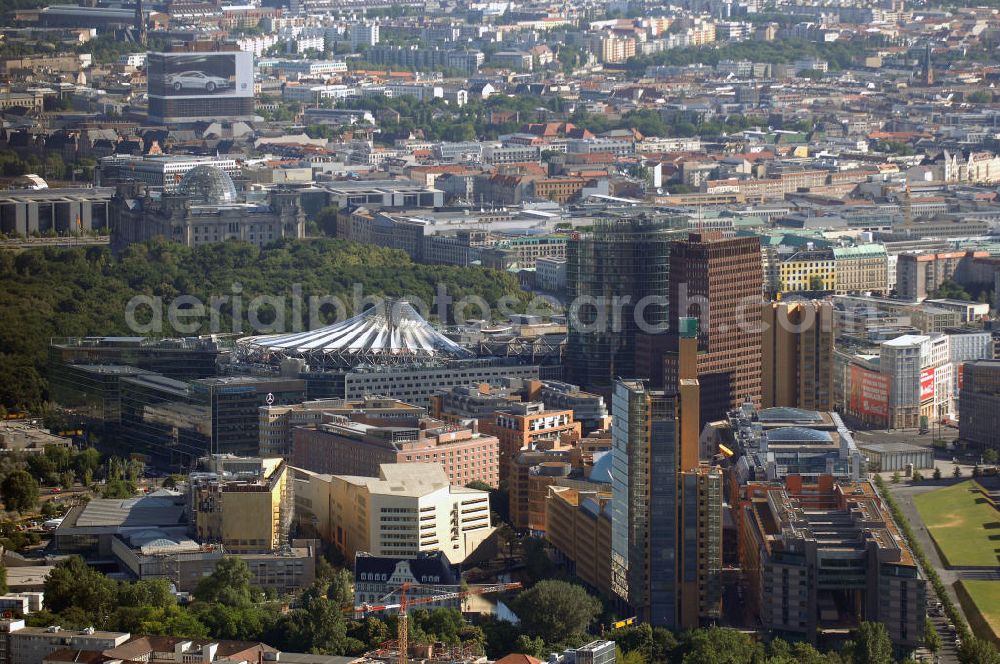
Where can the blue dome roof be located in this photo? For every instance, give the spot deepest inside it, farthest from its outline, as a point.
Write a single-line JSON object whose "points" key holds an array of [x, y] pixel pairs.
{"points": [[601, 472]]}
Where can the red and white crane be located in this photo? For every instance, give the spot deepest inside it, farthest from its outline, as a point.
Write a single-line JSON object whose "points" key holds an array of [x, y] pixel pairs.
{"points": [[404, 602]]}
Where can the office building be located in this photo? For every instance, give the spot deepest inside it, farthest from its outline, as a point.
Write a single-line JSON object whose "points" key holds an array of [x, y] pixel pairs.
{"points": [[533, 472], [919, 275], [797, 355], [90, 529], [828, 555], [153, 554], [243, 503], [175, 357], [666, 519], [625, 257], [278, 422], [478, 402], [578, 526], [200, 82], [772, 443], [979, 404], [91, 395], [718, 280], [409, 509], [162, 172], [529, 425], [896, 456], [483, 401], [350, 446], [62, 210], [173, 422]]}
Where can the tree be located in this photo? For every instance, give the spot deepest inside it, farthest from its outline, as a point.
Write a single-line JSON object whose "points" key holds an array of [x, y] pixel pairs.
{"points": [[957, 472], [72, 584], [937, 473], [932, 640], [978, 651], [20, 491], [537, 563], [556, 611], [327, 220], [341, 588], [871, 645], [3, 579], [506, 538], [118, 488], [990, 456], [526, 645], [718, 644], [895, 477], [66, 479], [917, 476], [228, 584], [156, 593]]}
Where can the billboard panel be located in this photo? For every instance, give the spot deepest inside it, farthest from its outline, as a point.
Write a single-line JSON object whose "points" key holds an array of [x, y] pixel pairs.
{"points": [[927, 384], [869, 393], [186, 75]]}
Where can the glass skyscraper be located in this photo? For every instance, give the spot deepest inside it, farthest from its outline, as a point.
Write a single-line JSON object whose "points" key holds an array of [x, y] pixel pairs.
{"points": [[617, 270]]}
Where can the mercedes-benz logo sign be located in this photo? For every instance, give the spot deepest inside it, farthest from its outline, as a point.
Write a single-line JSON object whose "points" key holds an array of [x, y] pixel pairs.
{"points": [[269, 398]]}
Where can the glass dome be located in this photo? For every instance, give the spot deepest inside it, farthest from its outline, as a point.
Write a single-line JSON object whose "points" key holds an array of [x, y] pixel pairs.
{"points": [[208, 185]]}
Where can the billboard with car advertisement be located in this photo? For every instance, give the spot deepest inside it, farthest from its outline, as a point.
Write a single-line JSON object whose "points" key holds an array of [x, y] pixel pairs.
{"points": [[187, 75], [869, 396], [927, 384]]}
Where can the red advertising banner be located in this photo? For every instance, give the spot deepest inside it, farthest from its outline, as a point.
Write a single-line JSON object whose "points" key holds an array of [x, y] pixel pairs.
{"points": [[927, 384], [869, 393]]}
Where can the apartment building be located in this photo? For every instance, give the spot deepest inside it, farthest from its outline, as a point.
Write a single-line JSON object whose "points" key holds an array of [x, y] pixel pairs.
{"points": [[407, 510], [528, 426], [828, 555], [30, 645], [561, 189], [243, 503], [578, 526]]}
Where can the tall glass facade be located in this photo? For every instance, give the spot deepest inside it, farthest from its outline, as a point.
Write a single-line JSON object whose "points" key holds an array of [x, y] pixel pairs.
{"points": [[644, 502], [609, 272]]}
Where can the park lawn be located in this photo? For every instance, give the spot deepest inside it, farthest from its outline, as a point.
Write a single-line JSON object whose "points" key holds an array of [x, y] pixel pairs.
{"points": [[986, 596], [963, 524]]}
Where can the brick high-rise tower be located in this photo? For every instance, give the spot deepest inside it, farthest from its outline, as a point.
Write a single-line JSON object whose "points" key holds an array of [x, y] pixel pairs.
{"points": [[719, 280]]}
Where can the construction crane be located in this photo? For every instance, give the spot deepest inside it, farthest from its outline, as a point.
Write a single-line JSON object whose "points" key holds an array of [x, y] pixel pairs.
{"points": [[405, 602]]}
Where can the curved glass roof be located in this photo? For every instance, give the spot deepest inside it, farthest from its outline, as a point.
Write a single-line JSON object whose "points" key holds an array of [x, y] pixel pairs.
{"points": [[798, 435], [391, 329], [786, 414], [208, 185]]}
